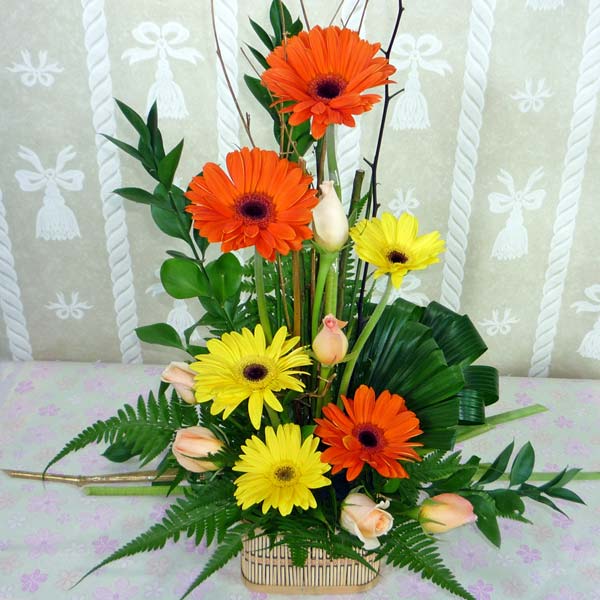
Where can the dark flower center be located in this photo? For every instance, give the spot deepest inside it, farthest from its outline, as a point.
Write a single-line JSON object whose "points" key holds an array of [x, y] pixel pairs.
{"points": [[254, 208], [369, 436], [255, 372], [327, 87], [396, 256], [285, 473], [368, 439]]}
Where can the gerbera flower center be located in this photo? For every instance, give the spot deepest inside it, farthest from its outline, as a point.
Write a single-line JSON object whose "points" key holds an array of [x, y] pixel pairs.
{"points": [[254, 208], [369, 436], [327, 87], [284, 474], [395, 256], [255, 372]]}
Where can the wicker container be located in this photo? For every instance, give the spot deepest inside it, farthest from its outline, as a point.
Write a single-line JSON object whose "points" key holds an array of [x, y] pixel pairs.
{"points": [[272, 571]]}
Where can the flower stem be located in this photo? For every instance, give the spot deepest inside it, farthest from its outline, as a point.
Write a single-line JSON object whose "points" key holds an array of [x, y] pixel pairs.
{"points": [[332, 166], [362, 338], [297, 291], [132, 490], [273, 417], [261, 299], [325, 261]]}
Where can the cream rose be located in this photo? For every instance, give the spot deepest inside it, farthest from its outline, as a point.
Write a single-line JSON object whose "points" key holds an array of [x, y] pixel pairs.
{"points": [[330, 223], [443, 512], [366, 519], [192, 445], [181, 377]]}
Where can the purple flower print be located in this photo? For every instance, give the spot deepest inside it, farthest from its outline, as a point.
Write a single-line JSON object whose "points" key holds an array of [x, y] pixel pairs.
{"points": [[201, 548], [205, 591], [588, 396], [566, 594], [258, 596], [153, 371], [414, 586], [94, 385], [561, 521], [578, 550], [577, 448], [471, 557], [48, 503], [30, 582], [42, 542], [3, 545], [50, 410], [528, 384], [104, 545], [481, 590], [24, 386], [159, 511], [122, 590], [528, 555], [563, 422], [101, 518], [523, 399]]}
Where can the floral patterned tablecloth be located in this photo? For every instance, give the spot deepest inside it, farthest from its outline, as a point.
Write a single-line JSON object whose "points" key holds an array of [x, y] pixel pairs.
{"points": [[50, 535]]}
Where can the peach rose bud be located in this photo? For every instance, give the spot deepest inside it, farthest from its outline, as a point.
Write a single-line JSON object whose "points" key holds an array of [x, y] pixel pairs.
{"points": [[330, 344], [330, 223], [441, 513], [192, 444], [181, 377], [366, 519]]}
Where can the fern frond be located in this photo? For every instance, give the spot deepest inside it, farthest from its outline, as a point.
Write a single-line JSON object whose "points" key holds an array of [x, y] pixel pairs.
{"points": [[231, 545], [146, 432], [407, 545], [435, 466], [208, 511]]}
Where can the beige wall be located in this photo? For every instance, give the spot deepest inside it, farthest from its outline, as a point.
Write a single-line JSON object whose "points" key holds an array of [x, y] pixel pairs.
{"points": [[495, 141]]}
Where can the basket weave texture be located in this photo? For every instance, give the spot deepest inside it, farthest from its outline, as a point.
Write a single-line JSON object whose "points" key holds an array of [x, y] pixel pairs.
{"points": [[272, 571]]}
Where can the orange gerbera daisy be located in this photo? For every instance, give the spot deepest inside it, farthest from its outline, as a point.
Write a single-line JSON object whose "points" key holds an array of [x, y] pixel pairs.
{"points": [[372, 431], [264, 202], [324, 72]]}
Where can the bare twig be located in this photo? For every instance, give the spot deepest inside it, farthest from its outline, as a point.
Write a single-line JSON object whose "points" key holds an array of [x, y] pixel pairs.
{"points": [[362, 17], [337, 10], [304, 14], [373, 205], [249, 61], [83, 480], [244, 119]]}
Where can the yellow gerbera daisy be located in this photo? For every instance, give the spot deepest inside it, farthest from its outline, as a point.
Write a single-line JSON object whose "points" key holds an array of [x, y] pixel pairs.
{"points": [[391, 244], [241, 367], [281, 471]]}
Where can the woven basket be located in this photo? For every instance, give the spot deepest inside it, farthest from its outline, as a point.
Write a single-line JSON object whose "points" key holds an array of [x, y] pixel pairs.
{"points": [[272, 571]]}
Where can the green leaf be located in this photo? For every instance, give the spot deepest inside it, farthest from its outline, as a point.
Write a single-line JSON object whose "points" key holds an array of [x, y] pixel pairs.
{"points": [[182, 279], [118, 452], [497, 468], [159, 333], [564, 494], [485, 509], [262, 61], [261, 93], [155, 135], [561, 479], [168, 166], [276, 19], [225, 276], [522, 467], [262, 34], [141, 196], [508, 503], [125, 147], [135, 119], [167, 222]]}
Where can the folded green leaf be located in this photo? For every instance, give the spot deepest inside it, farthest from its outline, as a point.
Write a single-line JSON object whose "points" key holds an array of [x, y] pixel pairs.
{"points": [[182, 279], [523, 464], [161, 334], [497, 468]]}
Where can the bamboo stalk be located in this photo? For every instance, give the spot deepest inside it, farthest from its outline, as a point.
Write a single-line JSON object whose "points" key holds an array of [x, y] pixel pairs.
{"points": [[83, 480]]}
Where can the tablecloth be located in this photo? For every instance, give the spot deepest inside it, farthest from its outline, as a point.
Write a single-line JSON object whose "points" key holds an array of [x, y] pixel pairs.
{"points": [[50, 535]]}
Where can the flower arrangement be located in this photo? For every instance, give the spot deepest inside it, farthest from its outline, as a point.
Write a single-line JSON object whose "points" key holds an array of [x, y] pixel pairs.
{"points": [[313, 416]]}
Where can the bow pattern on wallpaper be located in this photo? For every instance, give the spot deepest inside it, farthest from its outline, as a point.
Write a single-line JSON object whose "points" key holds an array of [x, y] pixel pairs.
{"points": [[55, 220], [162, 43]]}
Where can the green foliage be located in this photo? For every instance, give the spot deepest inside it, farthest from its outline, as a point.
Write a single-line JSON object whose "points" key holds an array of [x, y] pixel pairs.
{"points": [[207, 512], [182, 278], [145, 433], [162, 334], [406, 545], [435, 466]]}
